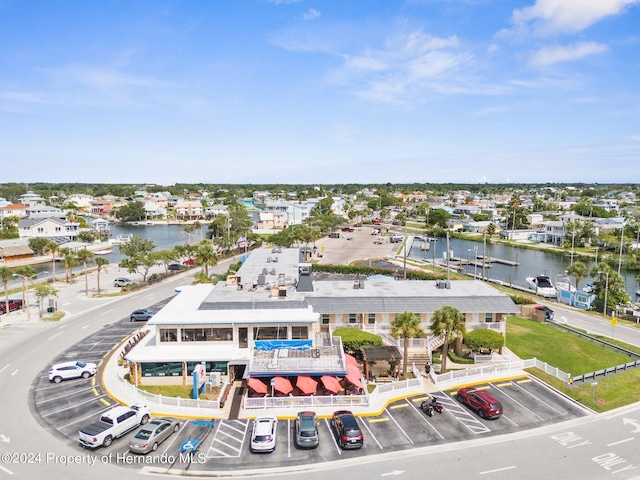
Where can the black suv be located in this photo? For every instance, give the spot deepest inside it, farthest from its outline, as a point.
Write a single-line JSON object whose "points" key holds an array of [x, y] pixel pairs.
{"points": [[347, 430]]}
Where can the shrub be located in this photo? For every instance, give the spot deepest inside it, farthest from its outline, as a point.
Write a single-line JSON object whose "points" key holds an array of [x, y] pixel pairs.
{"points": [[353, 338], [483, 339]]}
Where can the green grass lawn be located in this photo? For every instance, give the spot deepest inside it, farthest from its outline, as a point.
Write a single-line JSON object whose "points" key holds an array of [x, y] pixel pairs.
{"points": [[182, 391], [574, 355], [569, 353]]}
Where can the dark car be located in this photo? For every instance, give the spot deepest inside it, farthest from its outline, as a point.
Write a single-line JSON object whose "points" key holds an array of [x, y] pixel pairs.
{"points": [[482, 402], [14, 304], [306, 430], [347, 430], [143, 315], [174, 266]]}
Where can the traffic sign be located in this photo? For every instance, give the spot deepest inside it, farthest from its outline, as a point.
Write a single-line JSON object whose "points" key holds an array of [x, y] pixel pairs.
{"points": [[614, 321]]}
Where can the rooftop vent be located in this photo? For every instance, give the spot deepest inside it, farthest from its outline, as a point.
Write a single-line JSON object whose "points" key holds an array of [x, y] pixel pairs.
{"points": [[443, 284]]}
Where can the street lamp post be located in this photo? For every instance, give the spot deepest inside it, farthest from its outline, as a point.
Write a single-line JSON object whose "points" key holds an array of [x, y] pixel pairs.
{"points": [[26, 298], [606, 290]]}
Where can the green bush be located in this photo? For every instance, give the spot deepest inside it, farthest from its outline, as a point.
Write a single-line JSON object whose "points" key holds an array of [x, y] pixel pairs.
{"points": [[354, 338], [522, 300], [483, 339], [462, 360]]}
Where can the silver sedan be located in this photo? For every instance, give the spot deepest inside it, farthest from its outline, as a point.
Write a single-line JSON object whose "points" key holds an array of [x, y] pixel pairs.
{"points": [[153, 434]]}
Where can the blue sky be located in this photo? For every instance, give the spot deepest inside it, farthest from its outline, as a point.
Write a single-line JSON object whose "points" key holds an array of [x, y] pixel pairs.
{"points": [[286, 91]]}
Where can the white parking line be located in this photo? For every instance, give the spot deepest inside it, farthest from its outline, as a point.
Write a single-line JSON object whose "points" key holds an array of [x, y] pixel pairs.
{"points": [[91, 415], [502, 392], [398, 425], [5, 470], [333, 437], [372, 435], [424, 418], [63, 396], [4, 368], [54, 336], [495, 470], [106, 312], [92, 399]]}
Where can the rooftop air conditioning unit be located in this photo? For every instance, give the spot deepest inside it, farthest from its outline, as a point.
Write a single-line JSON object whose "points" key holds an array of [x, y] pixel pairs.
{"points": [[261, 279]]}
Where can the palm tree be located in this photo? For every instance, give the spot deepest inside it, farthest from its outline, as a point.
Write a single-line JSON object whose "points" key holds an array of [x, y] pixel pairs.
{"points": [[83, 255], [447, 323], [101, 263], [70, 261], [5, 275], [53, 248], [579, 271], [206, 257], [406, 325], [26, 272]]}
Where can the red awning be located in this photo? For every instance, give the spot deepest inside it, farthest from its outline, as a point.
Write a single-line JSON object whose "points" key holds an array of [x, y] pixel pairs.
{"points": [[354, 376], [351, 360], [283, 385], [306, 384], [331, 383], [257, 385]]}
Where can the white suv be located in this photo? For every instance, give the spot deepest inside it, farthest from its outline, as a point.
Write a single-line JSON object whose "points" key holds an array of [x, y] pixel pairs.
{"points": [[66, 370], [263, 435], [122, 282]]}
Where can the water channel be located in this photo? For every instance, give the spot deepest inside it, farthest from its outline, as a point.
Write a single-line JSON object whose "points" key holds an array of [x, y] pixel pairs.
{"points": [[528, 262]]}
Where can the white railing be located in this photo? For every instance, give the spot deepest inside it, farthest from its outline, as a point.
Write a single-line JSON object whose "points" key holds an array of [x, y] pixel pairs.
{"points": [[468, 374], [306, 402], [148, 398]]}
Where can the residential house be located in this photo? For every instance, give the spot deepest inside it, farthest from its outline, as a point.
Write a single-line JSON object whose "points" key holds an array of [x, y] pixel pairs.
{"points": [[81, 200], [14, 210], [54, 228], [189, 210], [31, 198]]}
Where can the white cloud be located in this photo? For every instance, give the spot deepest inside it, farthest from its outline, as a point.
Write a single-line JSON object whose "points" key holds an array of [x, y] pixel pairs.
{"points": [[311, 14], [405, 68], [546, 17], [551, 55]]}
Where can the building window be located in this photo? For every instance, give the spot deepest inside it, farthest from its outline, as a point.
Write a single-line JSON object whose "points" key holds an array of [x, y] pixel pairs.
{"points": [[168, 334], [488, 317], [270, 333], [299, 333], [207, 334], [209, 367], [325, 319], [371, 318], [165, 369], [352, 318]]}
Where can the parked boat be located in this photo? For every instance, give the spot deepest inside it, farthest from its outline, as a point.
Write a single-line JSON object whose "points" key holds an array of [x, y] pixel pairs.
{"points": [[563, 283], [542, 286], [104, 252]]}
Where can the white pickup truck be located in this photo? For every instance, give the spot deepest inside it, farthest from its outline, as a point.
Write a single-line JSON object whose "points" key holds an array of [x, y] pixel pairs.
{"points": [[113, 424]]}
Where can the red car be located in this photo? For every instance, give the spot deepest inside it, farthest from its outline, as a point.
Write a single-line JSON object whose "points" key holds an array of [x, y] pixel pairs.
{"points": [[348, 229], [189, 261], [13, 306], [482, 402]]}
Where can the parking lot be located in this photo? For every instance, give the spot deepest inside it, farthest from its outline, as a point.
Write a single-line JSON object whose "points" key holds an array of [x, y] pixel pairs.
{"points": [[223, 444]]}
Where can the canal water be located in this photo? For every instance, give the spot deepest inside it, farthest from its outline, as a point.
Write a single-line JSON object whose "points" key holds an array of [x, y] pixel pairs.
{"points": [[528, 262], [164, 236]]}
